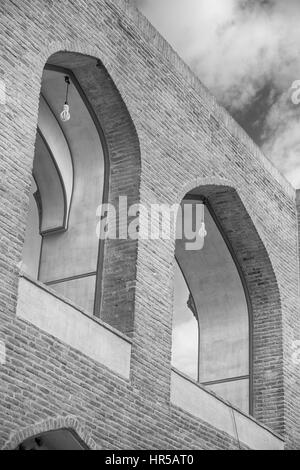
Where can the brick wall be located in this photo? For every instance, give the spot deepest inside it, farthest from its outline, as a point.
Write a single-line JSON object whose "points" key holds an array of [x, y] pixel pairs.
{"points": [[182, 140]]}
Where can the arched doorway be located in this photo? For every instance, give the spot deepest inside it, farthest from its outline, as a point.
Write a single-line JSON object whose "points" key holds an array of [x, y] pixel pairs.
{"points": [[60, 439]]}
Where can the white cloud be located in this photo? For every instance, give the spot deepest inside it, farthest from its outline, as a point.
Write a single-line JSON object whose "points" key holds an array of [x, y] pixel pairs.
{"points": [[237, 47], [282, 137]]}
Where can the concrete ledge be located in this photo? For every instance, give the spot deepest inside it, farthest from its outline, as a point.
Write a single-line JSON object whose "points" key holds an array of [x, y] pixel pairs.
{"points": [[47, 312], [190, 397]]}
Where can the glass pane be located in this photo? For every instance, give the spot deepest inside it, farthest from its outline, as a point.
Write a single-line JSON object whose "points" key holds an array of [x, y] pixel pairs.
{"points": [[80, 291], [237, 392], [185, 329], [212, 278]]}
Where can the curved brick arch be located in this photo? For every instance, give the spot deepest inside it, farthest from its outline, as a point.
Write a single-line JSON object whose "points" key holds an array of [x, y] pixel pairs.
{"points": [[52, 424], [83, 48], [120, 141], [226, 183], [262, 291]]}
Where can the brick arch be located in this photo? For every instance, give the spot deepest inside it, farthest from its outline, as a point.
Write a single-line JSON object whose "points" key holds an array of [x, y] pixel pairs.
{"points": [[122, 150], [260, 283], [52, 424], [217, 182], [83, 48]]}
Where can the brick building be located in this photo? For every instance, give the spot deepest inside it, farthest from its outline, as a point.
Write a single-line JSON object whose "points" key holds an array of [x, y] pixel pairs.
{"points": [[86, 327]]}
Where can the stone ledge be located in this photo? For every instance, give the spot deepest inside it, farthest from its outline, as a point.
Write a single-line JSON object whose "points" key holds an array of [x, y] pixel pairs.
{"points": [[192, 398], [38, 306]]}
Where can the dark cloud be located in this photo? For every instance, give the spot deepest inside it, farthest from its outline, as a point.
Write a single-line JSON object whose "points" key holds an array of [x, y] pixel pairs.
{"points": [[247, 52], [252, 4], [253, 116]]}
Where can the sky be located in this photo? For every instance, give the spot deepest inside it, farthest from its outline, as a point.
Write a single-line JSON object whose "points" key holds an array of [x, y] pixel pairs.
{"points": [[247, 52]]}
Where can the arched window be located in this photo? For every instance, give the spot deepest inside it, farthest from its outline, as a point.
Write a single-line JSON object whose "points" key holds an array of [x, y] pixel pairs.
{"points": [[61, 247], [211, 318], [61, 439]]}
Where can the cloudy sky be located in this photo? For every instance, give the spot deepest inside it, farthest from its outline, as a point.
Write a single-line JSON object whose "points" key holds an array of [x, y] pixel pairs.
{"points": [[247, 52]]}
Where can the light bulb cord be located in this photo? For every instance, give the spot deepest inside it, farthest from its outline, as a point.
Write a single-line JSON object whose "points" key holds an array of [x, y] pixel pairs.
{"points": [[67, 80]]}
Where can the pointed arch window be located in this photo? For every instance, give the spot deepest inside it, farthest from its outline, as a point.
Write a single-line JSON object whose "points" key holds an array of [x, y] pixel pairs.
{"points": [[61, 246], [211, 318]]}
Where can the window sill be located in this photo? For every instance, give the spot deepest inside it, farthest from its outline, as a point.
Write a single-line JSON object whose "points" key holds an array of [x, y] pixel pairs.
{"points": [[57, 316], [190, 396]]}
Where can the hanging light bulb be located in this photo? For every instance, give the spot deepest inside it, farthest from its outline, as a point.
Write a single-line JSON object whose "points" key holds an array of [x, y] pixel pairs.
{"points": [[65, 114]]}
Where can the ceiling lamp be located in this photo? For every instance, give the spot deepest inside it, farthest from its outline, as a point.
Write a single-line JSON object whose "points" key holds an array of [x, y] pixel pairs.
{"points": [[65, 114]]}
